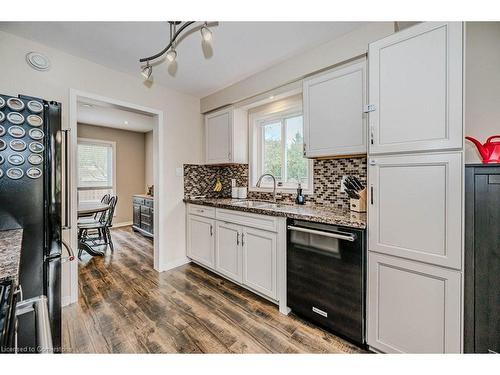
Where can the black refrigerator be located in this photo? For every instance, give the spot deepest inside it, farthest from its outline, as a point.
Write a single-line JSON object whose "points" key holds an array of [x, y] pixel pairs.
{"points": [[31, 179]]}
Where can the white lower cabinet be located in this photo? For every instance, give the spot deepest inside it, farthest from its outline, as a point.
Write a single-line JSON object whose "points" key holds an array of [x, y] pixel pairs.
{"points": [[228, 250], [240, 249], [413, 307], [201, 240], [259, 261]]}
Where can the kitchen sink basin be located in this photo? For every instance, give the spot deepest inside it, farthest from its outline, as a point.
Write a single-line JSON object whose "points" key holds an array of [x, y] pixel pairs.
{"points": [[255, 204]]}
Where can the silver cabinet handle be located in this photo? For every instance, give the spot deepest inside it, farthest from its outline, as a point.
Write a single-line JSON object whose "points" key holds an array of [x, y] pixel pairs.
{"points": [[211, 230], [71, 254], [338, 235], [238, 238], [67, 181], [371, 195], [42, 323], [242, 239]]}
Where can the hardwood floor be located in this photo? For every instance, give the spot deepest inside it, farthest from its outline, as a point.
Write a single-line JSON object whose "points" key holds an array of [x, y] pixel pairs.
{"points": [[125, 306]]}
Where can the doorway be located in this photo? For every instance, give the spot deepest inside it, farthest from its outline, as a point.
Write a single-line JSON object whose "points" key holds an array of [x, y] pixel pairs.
{"points": [[109, 181]]}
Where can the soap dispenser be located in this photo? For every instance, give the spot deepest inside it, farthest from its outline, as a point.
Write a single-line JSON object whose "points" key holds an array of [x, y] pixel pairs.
{"points": [[300, 199]]}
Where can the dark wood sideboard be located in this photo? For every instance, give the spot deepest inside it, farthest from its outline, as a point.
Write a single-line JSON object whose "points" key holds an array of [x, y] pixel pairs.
{"points": [[143, 214]]}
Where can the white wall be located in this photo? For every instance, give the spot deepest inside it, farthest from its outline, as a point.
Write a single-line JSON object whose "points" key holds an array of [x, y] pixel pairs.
{"points": [[482, 84], [183, 135], [346, 47]]}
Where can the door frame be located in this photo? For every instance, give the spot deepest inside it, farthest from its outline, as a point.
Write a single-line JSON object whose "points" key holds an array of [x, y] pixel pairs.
{"points": [[160, 248]]}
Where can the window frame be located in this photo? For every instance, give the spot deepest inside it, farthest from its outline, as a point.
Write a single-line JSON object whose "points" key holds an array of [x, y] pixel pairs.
{"points": [[256, 124], [92, 141]]}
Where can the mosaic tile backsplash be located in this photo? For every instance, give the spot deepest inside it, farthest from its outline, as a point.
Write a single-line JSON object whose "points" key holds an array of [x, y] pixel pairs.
{"points": [[200, 179]]}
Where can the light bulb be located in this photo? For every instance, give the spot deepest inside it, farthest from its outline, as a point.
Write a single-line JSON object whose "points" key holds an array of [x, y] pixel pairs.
{"points": [[171, 55], [206, 34], [146, 71]]}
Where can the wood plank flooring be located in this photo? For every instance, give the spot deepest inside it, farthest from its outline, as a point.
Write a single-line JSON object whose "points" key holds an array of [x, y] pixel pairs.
{"points": [[125, 306]]}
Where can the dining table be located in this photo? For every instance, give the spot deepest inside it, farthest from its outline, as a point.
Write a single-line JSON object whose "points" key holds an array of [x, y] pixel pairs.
{"points": [[91, 208]]}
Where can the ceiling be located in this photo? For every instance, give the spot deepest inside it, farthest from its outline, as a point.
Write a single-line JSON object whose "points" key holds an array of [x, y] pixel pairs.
{"points": [[240, 49], [99, 113]]}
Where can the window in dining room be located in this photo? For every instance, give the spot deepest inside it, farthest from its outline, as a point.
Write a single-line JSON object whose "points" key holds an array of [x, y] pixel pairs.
{"points": [[96, 169]]}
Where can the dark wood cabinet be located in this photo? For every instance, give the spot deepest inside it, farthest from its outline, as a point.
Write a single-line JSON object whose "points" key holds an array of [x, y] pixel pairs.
{"points": [[482, 258], [143, 221]]}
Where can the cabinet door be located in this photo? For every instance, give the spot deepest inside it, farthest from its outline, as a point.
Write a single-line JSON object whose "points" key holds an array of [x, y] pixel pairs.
{"points": [[416, 87], [201, 240], [137, 215], [228, 251], [415, 207], [413, 307], [218, 130], [259, 261], [334, 122]]}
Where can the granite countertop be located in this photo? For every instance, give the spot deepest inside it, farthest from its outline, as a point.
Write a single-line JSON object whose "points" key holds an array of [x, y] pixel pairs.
{"points": [[10, 253], [309, 211], [143, 196]]}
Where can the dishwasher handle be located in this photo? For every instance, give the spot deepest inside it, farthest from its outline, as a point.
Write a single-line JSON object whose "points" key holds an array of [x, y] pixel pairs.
{"points": [[338, 235], [43, 334]]}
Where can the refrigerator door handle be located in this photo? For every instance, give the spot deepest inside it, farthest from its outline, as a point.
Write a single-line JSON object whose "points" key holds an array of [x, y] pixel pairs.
{"points": [[67, 179], [43, 333]]}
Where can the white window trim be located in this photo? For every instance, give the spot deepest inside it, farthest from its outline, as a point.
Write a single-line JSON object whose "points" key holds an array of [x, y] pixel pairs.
{"points": [[113, 148], [255, 121]]}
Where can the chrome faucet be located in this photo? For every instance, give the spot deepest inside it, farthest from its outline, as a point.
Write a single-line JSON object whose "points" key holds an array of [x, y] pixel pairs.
{"points": [[274, 183]]}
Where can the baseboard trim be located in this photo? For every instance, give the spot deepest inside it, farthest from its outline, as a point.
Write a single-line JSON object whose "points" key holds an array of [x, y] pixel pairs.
{"points": [[124, 224], [176, 263]]}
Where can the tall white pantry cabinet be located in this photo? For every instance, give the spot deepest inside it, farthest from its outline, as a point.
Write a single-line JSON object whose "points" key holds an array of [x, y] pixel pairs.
{"points": [[415, 172]]}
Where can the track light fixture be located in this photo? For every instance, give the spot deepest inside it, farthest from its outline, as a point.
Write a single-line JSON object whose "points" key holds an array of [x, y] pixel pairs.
{"points": [[147, 71], [176, 29]]}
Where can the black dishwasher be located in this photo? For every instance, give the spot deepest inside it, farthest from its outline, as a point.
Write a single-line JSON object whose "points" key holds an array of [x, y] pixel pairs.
{"points": [[326, 277]]}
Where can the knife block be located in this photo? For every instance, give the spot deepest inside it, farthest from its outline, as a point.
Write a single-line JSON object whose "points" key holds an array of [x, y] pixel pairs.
{"points": [[359, 205]]}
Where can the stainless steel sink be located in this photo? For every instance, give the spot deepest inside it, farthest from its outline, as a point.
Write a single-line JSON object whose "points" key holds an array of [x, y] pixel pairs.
{"points": [[255, 204]]}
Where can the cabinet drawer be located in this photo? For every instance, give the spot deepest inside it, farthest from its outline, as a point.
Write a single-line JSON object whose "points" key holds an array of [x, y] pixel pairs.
{"points": [[138, 200], [201, 210], [264, 222], [145, 210], [148, 202]]}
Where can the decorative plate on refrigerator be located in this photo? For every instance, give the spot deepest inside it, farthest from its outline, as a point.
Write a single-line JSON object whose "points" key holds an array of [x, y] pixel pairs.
{"points": [[17, 131], [16, 159], [1, 173], [34, 172], [34, 120], [35, 107], [2, 159], [18, 145], [2, 102], [3, 145], [15, 173], [36, 134], [2, 130], [15, 118], [36, 147], [15, 104], [2, 116], [35, 159]]}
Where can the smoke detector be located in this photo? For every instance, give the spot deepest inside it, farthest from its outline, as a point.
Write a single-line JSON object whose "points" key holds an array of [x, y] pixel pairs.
{"points": [[38, 61]]}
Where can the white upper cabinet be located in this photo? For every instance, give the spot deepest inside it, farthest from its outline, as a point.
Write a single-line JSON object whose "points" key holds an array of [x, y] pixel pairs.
{"points": [[334, 122], [416, 89], [226, 136], [415, 207]]}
